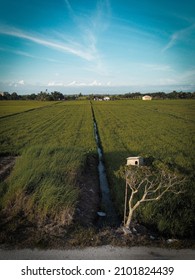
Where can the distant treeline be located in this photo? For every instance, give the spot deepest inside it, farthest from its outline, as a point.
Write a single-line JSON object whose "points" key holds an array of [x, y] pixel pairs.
{"points": [[55, 96], [42, 96], [161, 95]]}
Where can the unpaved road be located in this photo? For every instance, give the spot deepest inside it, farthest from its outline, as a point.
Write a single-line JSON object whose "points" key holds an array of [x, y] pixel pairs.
{"points": [[100, 253]]}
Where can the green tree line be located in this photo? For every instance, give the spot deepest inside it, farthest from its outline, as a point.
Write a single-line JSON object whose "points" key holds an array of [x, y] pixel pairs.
{"points": [[55, 96]]}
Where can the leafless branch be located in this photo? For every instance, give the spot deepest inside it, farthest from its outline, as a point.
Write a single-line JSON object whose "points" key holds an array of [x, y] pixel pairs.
{"points": [[151, 187]]}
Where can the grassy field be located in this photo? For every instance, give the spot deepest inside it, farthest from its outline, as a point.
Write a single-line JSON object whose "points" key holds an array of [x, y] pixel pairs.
{"points": [[53, 144], [162, 130], [13, 107]]}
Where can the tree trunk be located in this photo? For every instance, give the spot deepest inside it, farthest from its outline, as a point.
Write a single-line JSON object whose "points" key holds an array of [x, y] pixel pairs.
{"points": [[129, 219]]}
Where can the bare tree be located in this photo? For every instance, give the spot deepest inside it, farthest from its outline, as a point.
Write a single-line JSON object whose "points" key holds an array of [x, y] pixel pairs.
{"points": [[147, 185]]}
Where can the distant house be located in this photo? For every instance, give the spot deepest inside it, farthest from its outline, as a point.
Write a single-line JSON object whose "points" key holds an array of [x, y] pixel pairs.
{"points": [[106, 98], [135, 161], [96, 98], [147, 97]]}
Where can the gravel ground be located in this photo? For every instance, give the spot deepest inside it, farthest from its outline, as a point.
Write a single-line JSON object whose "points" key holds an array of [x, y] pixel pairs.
{"points": [[100, 253]]}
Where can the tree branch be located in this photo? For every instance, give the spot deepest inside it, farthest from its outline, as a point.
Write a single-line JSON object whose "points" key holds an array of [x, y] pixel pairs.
{"points": [[150, 186]]}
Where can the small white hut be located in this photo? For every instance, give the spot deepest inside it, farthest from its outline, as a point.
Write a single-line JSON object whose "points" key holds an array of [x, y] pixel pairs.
{"points": [[147, 97], [135, 161], [106, 98]]}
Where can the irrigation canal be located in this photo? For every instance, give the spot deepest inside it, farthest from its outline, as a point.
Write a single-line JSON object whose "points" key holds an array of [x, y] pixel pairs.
{"points": [[107, 213]]}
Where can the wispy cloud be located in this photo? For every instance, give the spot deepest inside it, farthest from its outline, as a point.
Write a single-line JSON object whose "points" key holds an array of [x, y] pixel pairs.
{"points": [[156, 67], [93, 83], [91, 30], [16, 84], [62, 47], [27, 54], [21, 82], [71, 11], [52, 84], [187, 77], [179, 35], [82, 44]]}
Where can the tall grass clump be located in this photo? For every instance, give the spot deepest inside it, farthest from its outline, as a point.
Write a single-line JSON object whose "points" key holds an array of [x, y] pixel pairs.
{"points": [[43, 185]]}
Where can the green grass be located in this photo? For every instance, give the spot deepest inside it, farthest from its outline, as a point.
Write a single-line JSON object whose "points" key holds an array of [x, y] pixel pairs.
{"points": [[11, 107], [162, 130], [64, 124], [53, 144], [41, 181]]}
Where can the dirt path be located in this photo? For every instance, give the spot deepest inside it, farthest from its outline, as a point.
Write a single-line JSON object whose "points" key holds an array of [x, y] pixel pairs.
{"points": [[100, 253]]}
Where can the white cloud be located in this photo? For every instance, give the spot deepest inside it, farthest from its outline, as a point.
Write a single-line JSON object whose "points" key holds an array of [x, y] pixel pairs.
{"points": [[90, 30], [15, 84], [51, 84], [187, 77], [27, 54], [83, 44], [166, 81], [156, 67], [73, 83], [21, 82], [70, 10], [87, 55], [95, 83], [179, 35]]}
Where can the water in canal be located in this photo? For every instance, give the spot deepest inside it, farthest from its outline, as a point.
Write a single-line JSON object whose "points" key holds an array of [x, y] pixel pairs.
{"points": [[107, 213]]}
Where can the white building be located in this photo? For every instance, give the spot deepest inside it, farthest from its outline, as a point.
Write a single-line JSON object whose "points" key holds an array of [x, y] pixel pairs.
{"points": [[135, 161], [147, 97], [106, 98]]}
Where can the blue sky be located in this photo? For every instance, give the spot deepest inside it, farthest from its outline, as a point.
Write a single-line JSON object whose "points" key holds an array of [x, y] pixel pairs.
{"points": [[96, 46]]}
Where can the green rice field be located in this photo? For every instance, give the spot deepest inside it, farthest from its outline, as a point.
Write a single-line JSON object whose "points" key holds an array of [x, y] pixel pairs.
{"points": [[53, 144], [13, 107], [53, 141]]}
